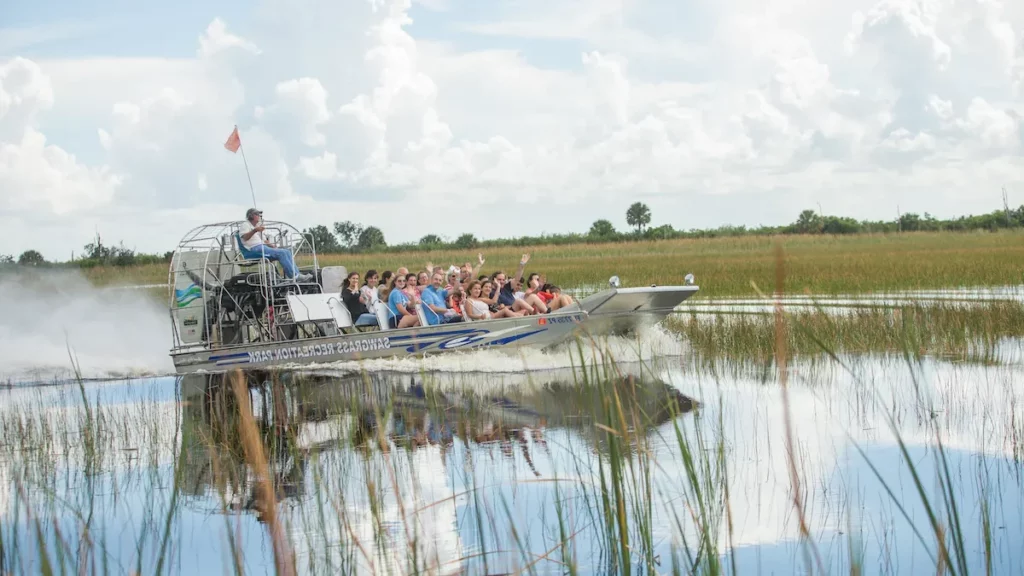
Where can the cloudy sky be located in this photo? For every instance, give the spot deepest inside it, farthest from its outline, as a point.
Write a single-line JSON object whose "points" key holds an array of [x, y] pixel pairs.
{"points": [[500, 117]]}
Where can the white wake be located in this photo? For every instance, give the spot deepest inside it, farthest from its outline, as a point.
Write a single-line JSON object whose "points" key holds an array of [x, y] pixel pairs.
{"points": [[110, 333]]}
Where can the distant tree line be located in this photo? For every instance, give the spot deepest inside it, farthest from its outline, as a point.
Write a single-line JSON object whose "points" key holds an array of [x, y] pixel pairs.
{"points": [[93, 254], [353, 237]]}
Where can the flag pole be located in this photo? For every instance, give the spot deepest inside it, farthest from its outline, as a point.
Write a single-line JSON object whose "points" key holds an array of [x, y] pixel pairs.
{"points": [[245, 162]]}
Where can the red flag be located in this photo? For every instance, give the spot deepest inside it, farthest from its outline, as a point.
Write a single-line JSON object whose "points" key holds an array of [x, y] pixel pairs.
{"points": [[234, 142]]}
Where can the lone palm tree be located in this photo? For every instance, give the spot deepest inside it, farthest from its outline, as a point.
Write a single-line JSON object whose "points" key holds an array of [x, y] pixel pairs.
{"points": [[638, 215]]}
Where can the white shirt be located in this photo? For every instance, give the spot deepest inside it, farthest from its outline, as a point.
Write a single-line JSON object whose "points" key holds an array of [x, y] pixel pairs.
{"points": [[254, 240], [479, 308], [372, 297]]}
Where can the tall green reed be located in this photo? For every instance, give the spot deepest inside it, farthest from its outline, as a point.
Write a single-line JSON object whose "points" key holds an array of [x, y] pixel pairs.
{"points": [[965, 332]]}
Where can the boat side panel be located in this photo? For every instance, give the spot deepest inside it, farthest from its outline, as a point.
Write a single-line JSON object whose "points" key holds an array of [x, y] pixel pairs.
{"points": [[628, 300], [532, 331], [623, 310], [619, 323]]}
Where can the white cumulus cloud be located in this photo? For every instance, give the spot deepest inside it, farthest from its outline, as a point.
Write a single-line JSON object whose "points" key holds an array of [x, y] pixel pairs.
{"points": [[731, 111], [36, 176]]}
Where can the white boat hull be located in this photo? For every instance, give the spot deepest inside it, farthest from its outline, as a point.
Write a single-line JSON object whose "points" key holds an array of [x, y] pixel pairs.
{"points": [[614, 311]]}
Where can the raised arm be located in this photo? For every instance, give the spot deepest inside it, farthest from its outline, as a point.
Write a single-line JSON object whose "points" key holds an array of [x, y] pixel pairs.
{"points": [[479, 265], [540, 286], [490, 300], [519, 272]]}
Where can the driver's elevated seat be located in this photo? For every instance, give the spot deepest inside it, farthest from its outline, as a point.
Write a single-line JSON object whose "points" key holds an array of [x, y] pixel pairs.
{"points": [[245, 252]]}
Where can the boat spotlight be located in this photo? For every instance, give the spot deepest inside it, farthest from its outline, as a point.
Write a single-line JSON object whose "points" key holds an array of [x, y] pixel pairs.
{"points": [[688, 279], [614, 282]]}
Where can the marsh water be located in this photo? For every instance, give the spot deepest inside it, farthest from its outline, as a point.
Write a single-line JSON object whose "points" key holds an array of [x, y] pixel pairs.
{"points": [[562, 462]]}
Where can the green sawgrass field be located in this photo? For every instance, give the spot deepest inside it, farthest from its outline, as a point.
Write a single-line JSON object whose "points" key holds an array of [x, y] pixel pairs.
{"points": [[630, 475], [958, 331], [723, 266]]}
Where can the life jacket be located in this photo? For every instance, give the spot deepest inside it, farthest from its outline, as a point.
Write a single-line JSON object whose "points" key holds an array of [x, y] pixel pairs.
{"points": [[455, 303]]}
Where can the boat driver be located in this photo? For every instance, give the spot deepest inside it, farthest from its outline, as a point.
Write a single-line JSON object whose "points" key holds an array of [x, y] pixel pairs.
{"points": [[251, 232]]}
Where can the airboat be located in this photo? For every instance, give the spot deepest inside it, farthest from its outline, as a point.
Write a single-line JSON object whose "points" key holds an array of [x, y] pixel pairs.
{"points": [[229, 310]]}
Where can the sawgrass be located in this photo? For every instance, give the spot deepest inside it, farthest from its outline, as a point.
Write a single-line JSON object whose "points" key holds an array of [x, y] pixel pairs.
{"points": [[722, 266], [354, 508], [220, 449], [959, 331]]}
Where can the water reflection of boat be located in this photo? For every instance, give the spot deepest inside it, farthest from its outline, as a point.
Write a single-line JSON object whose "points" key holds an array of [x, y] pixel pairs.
{"points": [[299, 414]]}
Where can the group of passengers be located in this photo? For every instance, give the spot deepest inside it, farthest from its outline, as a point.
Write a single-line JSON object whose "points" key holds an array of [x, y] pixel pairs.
{"points": [[455, 295]]}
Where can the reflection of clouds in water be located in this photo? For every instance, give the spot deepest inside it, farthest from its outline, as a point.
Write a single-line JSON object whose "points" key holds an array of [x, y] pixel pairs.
{"points": [[147, 432], [977, 409], [432, 529], [139, 429], [6, 485], [422, 514], [752, 422], [433, 466]]}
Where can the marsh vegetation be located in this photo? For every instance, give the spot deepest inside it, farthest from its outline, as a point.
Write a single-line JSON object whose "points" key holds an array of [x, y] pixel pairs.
{"points": [[863, 463], [723, 266], [874, 436], [961, 331]]}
